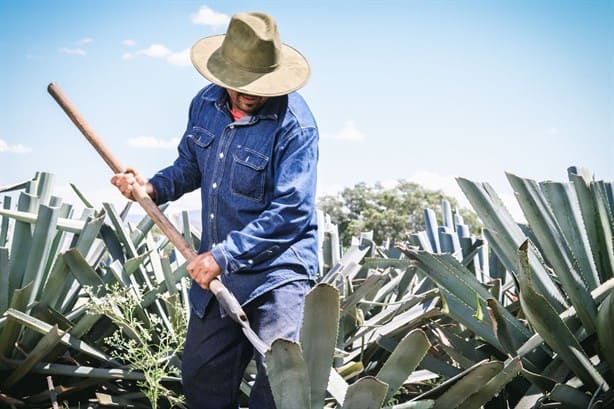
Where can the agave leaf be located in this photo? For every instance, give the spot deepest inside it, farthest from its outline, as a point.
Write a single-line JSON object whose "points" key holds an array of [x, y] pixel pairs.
{"points": [[21, 242], [469, 348], [564, 205], [466, 315], [470, 383], [67, 339], [81, 196], [384, 263], [568, 317], [84, 324], [505, 236], [346, 265], [144, 227], [570, 397], [129, 247], [42, 238], [432, 230], [169, 278], [142, 281], [288, 375], [90, 232], [419, 404], [44, 186], [83, 272], [398, 326], [555, 248], [510, 370], [120, 231], [96, 373], [549, 325], [29, 217], [371, 284], [11, 329], [595, 215], [4, 222], [187, 232], [4, 279], [319, 338], [44, 346], [421, 240], [366, 393], [544, 383], [13, 187], [58, 283], [605, 329], [154, 258], [462, 287], [387, 314], [404, 360], [501, 328]]}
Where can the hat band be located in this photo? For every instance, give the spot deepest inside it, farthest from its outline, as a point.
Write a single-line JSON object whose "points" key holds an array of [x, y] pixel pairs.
{"points": [[255, 69]]}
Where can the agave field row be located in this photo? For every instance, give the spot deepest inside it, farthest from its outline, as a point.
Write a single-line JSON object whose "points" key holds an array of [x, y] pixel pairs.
{"points": [[94, 307]]}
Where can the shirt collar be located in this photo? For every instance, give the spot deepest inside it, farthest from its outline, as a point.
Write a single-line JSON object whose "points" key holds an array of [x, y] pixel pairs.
{"points": [[270, 109]]}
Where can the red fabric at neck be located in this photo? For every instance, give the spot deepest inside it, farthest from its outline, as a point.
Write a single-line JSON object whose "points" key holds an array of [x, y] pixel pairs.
{"points": [[236, 114]]}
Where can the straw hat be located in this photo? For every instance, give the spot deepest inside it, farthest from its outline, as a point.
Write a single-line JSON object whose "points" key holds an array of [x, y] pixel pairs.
{"points": [[250, 58]]}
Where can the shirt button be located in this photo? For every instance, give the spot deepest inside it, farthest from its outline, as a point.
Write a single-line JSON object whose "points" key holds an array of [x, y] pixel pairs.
{"points": [[221, 155], [212, 216], [214, 185]]}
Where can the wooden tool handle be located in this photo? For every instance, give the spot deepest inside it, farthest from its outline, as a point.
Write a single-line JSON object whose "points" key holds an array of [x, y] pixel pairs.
{"points": [[215, 286]]}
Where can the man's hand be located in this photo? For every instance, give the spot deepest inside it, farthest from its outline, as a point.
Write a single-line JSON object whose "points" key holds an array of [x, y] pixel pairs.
{"points": [[125, 181], [203, 268]]}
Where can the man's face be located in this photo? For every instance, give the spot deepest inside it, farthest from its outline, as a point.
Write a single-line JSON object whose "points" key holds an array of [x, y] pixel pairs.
{"points": [[248, 104]]}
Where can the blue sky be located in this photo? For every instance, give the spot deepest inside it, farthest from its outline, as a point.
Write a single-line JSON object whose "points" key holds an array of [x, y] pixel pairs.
{"points": [[416, 90]]}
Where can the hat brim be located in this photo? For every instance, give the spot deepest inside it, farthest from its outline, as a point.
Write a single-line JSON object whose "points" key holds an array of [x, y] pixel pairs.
{"points": [[291, 74]]}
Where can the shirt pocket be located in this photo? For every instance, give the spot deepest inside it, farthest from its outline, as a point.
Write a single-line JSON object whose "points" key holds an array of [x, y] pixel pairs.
{"points": [[248, 174], [201, 140]]}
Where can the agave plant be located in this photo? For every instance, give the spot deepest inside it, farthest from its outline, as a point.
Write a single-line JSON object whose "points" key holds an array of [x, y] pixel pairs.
{"points": [[518, 317], [552, 323], [57, 272]]}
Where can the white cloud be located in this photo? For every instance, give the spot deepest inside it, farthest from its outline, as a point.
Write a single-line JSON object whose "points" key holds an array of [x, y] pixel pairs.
{"points": [[149, 142], [72, 51], [155, 51], [5, 147], [181, 59], [129, 43], [78, 49], [349, 132], [208, 17]]}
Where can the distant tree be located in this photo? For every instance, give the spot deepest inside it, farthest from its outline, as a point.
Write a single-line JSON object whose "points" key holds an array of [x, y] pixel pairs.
{"points": [[390, 213]]}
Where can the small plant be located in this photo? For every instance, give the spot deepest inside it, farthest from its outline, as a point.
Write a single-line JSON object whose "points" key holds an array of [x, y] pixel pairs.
{"points": [[143, 343]]}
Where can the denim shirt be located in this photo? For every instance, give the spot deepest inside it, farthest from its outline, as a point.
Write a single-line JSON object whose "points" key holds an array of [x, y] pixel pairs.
{"points": [[257, 177]]}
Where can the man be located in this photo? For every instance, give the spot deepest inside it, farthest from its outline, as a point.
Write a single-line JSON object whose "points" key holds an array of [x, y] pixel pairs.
{"points": [[251, 146]]}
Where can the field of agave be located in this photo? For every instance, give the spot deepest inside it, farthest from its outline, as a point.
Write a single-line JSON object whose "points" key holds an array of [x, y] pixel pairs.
{"points": [[94, 308]]}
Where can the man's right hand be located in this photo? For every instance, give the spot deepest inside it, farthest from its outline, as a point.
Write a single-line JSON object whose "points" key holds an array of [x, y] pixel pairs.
{"points": [[125, 181]]}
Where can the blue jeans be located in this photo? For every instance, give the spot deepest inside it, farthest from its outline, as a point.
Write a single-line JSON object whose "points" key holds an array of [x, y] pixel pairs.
{"points": [[216, 352]]}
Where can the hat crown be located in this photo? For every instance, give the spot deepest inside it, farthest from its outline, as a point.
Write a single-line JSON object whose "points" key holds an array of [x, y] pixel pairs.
{"points": [[253, 42]]}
